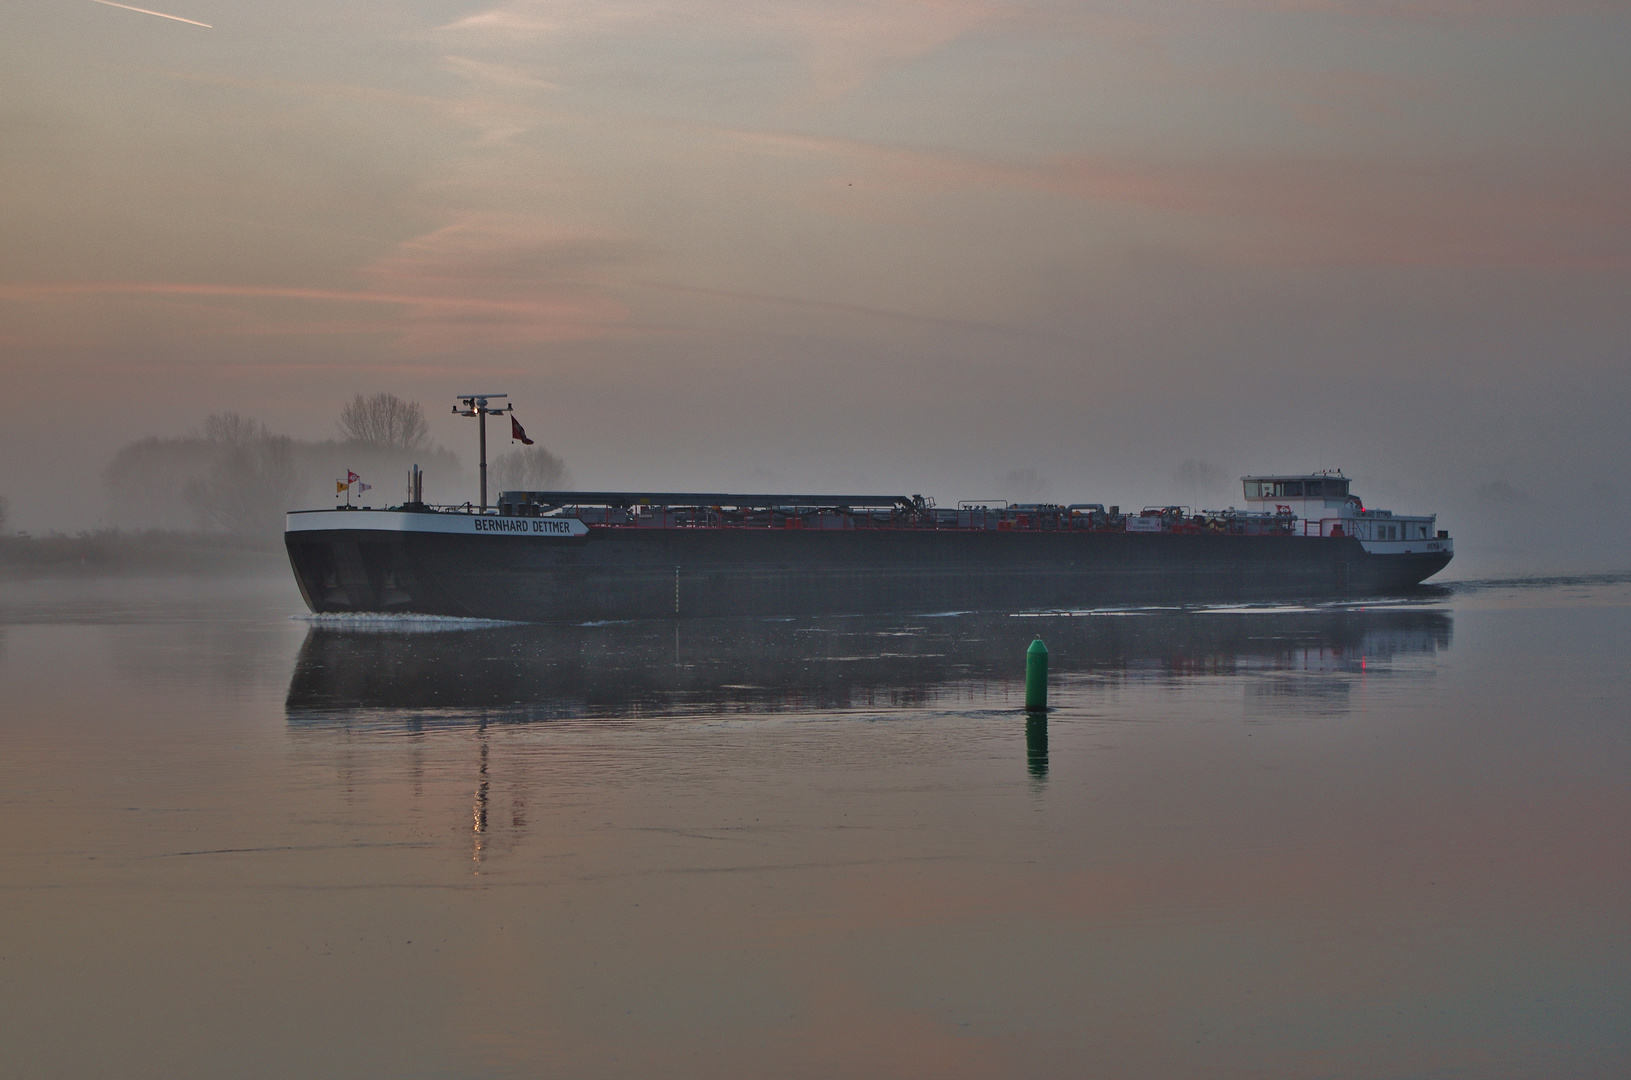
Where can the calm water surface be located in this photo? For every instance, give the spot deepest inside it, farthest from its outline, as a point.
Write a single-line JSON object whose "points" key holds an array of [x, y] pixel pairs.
{"points": [[1376, 841]]}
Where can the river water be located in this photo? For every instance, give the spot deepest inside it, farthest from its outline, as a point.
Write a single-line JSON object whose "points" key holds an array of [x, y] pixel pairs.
{"points": [[1380, 840]]}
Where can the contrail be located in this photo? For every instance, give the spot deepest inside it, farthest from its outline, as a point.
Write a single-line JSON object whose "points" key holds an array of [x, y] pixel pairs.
{"points": [[160, 14]]}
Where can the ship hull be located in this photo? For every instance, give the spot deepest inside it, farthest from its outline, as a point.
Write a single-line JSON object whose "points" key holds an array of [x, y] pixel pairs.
{"points": [[631, 573]]}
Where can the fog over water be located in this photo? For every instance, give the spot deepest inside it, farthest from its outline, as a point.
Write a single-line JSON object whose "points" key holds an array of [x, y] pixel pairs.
{"points": [[1351, 840], [964, 249]]}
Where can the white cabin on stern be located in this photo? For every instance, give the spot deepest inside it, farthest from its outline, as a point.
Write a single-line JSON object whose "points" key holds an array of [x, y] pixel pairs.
{"points": [[1324, 506]]}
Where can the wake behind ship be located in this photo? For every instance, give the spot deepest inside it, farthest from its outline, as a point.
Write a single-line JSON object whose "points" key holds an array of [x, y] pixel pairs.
{"points": [[545, 556]]}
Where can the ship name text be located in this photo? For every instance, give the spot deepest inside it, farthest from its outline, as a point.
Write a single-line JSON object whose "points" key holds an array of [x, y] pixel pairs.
{"points": [[545, 526]]}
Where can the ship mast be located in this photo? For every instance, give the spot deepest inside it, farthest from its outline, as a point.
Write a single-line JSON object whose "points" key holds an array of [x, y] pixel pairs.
{"points": [[476, 405]]}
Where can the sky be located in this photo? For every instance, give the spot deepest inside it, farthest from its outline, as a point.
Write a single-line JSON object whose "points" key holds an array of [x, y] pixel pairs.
{"points": [[1117, 252]]}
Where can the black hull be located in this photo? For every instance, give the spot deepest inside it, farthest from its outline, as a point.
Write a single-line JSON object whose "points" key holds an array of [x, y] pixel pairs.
{"points": [[663, 573]]}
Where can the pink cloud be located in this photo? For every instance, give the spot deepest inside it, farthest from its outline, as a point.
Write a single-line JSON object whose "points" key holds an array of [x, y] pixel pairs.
{"points": [[502, 279], [1287, 210], [483, 281], [1345, 212], [840, 42], [1443, 11]]}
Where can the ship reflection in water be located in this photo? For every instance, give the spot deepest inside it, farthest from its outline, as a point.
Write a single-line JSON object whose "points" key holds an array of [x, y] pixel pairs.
{"points": [[421, 673], [418, 675]]}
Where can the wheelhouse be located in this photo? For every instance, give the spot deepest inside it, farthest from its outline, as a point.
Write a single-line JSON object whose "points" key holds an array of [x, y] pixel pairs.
{"points": [[1323, 504]]}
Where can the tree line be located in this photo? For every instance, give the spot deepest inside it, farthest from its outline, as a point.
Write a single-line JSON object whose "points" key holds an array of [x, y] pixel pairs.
{"points": [[236, 475]]}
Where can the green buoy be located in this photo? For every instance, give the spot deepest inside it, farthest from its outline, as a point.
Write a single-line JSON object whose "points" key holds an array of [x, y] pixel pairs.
{"points": [[1036, 677]]}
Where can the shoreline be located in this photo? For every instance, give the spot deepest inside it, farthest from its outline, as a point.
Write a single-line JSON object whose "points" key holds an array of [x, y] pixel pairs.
{"points": [[115, 553]]}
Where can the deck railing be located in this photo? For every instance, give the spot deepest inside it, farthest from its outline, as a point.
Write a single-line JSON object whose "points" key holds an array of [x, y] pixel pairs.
{"points": [[1372, 525]]}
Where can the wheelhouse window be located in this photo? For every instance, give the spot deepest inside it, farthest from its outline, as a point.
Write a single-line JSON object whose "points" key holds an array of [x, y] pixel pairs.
{"points": [[1297, 489]]}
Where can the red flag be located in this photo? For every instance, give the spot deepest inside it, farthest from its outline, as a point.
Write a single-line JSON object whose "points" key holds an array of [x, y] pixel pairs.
{"points": [[518, 432], [351, 477]]}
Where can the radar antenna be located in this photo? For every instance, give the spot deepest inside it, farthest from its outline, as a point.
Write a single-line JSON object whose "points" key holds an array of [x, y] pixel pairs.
{"points": [[476, 405]]}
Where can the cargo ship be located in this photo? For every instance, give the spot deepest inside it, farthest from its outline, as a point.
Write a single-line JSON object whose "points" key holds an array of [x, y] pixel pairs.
{"points": [[584, 556]]}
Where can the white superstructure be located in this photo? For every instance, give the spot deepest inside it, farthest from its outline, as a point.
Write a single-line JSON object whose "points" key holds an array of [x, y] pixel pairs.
{"points": [[1324, 506]]}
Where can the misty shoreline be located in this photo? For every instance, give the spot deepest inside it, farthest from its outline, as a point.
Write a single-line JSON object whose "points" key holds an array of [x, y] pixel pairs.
{"points": [[118, 553]]}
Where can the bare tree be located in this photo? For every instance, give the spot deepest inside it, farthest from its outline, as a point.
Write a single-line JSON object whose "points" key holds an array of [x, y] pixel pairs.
{"points": [[230, 429], [145, 481], [252, 484], [531, 468], [237, 476], [5, 513], [385, 420]]}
